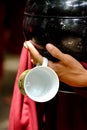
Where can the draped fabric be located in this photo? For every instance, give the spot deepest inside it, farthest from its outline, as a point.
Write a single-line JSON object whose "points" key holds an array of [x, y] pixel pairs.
{"points": [[66, 111], [23, 110]]}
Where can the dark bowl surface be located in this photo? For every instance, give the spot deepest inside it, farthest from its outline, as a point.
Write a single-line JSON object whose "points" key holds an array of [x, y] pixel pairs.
{"points": [[60, 22]]}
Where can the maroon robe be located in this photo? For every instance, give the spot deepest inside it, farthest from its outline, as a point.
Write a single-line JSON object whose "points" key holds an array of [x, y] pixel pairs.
{"points": [[23, 110]]}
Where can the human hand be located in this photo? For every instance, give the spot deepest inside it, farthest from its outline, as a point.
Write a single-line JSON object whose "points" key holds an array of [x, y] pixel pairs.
{"points": [[68, 69]]}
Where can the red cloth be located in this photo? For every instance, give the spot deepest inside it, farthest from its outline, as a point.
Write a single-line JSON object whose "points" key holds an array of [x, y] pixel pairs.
{"points": [[23, 110]]}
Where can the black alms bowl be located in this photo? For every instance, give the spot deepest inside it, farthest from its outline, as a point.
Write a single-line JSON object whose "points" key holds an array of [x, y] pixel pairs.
{"points": [[60, 22]]}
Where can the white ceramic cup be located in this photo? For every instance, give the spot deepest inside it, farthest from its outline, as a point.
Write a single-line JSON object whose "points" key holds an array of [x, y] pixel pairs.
{"points": [[41, 83]]}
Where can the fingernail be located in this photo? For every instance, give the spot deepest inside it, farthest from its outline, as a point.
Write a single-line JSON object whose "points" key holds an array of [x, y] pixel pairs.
{"points": [[29, 43]]}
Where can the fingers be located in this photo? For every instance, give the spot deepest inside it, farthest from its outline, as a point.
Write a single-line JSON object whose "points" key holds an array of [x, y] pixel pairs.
{"points": [[34, 53], [54, 51]]}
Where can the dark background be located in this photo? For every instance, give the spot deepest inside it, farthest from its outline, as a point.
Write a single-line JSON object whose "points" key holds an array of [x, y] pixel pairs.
{"points": [[11, 42]]}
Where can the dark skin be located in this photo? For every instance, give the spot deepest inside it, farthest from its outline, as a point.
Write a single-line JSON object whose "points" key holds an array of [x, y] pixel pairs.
{"points": [[68, 69]]}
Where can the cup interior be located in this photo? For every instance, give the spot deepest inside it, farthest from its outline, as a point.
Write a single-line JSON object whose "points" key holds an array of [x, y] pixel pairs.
{"points": [[41, 84]]}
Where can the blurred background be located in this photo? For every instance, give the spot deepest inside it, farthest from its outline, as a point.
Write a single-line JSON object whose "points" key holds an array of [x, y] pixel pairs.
{"points": [[11, 42]]}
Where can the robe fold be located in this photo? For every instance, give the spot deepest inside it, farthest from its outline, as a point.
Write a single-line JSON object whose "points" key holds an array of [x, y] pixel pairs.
{"points": [[23, 110]]}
